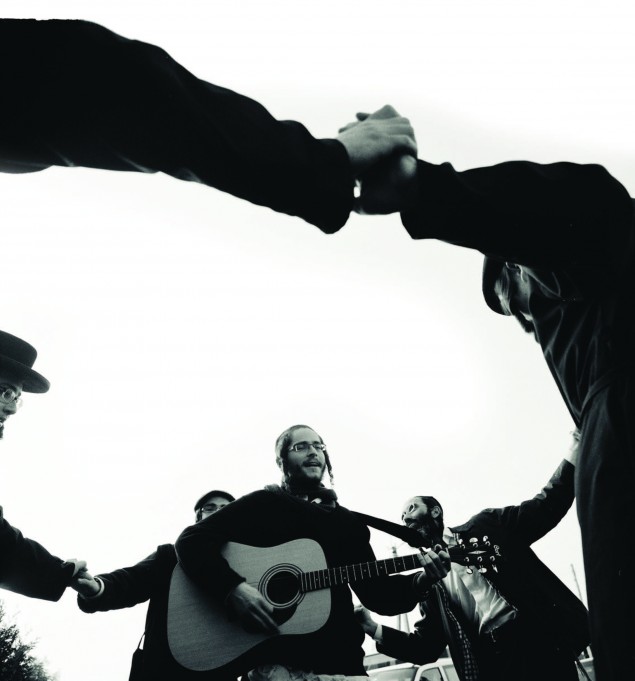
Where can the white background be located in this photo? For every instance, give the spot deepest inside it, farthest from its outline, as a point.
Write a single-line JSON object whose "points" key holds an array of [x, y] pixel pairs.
{"points": [[182, 329]]}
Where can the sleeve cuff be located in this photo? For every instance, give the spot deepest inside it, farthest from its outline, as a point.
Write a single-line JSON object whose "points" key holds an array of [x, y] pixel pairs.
{"points": [[99, 593]]}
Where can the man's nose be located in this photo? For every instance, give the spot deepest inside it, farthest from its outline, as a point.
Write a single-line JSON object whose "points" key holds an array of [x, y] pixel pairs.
{"points": [[9, 409]]}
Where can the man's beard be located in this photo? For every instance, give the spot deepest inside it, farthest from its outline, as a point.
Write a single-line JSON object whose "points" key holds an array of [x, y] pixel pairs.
{"points": [[429, 531]]}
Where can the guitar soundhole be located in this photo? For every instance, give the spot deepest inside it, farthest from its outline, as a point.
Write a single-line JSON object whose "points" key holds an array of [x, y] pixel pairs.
{"points": [[281, 586]]}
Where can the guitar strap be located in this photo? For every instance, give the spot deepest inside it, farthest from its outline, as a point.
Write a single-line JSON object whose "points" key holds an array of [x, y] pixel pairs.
{"points": [[407, 534]]}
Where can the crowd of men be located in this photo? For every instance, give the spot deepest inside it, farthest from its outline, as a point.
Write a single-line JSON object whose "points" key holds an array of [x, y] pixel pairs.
{"points": [[558, 242]]}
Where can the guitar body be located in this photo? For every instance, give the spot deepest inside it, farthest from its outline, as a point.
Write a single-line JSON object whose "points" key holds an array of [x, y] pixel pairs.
{"points": [[203, 638]]}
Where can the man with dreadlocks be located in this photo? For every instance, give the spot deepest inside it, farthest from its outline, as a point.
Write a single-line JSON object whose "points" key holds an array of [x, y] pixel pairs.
{"points": [[301, 507]]}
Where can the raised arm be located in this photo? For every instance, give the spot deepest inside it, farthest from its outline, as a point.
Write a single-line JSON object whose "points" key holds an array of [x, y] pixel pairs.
{"points": [[532, 519], [560, 215], [76, 94]]}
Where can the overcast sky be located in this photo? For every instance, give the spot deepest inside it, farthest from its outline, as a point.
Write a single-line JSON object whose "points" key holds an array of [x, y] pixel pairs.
{"points": [[183, 329]]}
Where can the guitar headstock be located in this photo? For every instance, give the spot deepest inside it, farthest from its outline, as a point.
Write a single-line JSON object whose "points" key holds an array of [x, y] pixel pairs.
{"points": [[480, 554]]}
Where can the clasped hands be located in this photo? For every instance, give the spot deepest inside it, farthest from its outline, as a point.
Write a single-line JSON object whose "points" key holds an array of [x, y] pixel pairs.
{"points": [[383, 153]]}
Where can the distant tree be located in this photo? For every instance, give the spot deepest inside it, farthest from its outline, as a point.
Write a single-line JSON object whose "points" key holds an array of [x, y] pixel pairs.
{"points": [[16, 661]]}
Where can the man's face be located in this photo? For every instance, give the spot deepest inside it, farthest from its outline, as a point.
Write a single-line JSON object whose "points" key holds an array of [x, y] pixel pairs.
{"points": [[513, 288], [305, 467], [212, 505], [418, 516], [10, 391]]}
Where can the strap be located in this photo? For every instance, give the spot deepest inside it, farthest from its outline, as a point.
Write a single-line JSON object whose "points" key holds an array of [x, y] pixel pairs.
{"points": [[581, 670], [407, 534]]}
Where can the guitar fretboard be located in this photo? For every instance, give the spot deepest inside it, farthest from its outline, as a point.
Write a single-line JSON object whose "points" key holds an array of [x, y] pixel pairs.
{"points": [[324, 579]]}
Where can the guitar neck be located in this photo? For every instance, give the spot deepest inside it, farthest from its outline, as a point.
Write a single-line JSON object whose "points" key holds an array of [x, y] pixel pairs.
{"points": [[348, 574]]}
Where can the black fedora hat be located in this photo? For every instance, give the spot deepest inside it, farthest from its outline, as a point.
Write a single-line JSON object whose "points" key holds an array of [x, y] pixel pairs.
{"points": [[16, 359]]}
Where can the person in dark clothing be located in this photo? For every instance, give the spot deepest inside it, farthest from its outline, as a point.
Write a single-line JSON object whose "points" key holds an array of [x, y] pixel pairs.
{"points": [[517, 618], [77, 94], [559, 247], [302, 507], [26, 567], [148, 580]]}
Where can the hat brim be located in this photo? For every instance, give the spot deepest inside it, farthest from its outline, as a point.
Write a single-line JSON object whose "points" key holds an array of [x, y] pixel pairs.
{"points": [[32, 382], [213, 493], [492, 267]]}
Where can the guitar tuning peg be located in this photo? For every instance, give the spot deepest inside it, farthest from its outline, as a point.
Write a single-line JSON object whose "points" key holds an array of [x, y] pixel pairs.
{"points": [[482, 569], [473, 540], [459, 541], [485, 537], [469, 570]]}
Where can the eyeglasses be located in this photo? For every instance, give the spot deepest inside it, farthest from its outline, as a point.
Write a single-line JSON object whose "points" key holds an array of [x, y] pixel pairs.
{"points": [[211, 508], [10, 395], [305, 446]]}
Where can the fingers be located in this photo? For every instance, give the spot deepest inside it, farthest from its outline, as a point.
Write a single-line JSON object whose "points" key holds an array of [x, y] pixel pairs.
{"points": [[78, 565], [436, 563], [254, 612]]}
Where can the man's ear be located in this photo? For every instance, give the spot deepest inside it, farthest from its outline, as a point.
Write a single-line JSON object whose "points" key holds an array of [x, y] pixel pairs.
{"points": [[435, 511]]}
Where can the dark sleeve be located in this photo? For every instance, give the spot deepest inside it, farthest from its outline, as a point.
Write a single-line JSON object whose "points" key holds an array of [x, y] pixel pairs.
{"points": [[425, 644], [27, 568], [76, 94], [532, 519], [198, 548], [129, 586], [560, 215], [385, 595]]}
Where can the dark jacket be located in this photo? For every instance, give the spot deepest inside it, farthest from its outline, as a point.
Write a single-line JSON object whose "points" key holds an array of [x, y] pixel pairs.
{"points": [[267, 518], [27, 568], [147, 580], [544, 603], [571, 229], [77, 94]]}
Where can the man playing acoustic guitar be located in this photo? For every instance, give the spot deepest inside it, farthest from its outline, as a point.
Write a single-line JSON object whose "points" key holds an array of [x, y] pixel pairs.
{"points": [[517, 622], [317, 634]]}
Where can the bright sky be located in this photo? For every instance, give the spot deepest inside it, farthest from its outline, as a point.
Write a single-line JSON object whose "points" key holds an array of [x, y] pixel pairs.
{"points": [[183, 330]]}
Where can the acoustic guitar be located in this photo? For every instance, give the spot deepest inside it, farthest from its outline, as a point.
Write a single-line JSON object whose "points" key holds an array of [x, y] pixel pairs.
{"points": [[295, 579]]}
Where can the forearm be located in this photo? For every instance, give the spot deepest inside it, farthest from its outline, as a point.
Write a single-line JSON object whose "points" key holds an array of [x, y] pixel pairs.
{"points": [[543, 216], [199, 553], [389, 595], [414, 647], [77, 94], [27, 568]]}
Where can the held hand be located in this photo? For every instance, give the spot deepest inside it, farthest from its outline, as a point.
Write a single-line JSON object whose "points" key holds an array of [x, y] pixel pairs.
{"points": [[375, 137], [252, 610], [78, 565], [85, 584], [368, 624], [436, 565]]}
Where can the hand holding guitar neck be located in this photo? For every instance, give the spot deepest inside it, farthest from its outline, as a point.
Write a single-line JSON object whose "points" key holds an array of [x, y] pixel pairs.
{"points": [[253, 611], [436, 564]]}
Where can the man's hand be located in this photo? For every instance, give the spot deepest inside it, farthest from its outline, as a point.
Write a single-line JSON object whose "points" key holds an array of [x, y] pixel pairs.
{"points": [[383, 154], [252, 610], [85, 584], [375, 137], [436, 565], [368, 624]]}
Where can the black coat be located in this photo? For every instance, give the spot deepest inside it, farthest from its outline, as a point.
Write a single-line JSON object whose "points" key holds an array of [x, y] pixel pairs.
{"points": [[544, 603], [267, 518], [27, 568], [147, 580], [77, 94]]}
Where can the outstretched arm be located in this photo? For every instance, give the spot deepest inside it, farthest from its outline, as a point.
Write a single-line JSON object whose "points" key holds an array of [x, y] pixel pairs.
{"points": [[532, 519], [76, 94], [560, 215]]}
